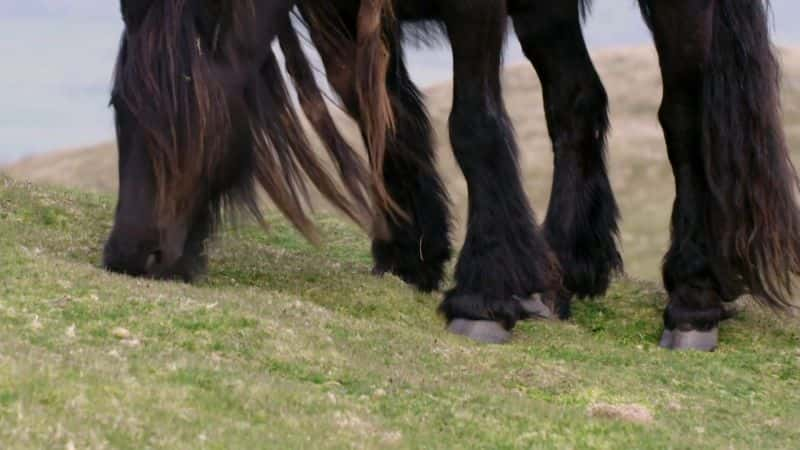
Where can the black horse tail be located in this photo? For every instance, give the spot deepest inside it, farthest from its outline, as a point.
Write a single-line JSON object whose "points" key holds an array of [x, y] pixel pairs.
{"points": [[752, 217], [352, 170]]}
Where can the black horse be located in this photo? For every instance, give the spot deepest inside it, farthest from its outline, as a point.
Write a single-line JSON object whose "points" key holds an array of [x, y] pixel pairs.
{"points": [[735, 226]]}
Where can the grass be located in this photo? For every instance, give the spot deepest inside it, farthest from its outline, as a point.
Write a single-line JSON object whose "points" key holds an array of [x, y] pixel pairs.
{"points": [[285, 345]]}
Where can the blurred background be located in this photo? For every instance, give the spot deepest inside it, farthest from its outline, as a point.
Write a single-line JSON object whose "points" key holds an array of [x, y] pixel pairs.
{"points": [[57, 57]]}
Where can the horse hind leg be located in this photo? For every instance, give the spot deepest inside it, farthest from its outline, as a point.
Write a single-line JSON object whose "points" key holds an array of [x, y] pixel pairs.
{"points": [[505, 258], [735, 223], [581, 223]]}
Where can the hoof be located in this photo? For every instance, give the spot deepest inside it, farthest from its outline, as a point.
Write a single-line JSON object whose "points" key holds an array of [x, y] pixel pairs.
{"points": [[485, 331], [705, 341], [535, 308]]}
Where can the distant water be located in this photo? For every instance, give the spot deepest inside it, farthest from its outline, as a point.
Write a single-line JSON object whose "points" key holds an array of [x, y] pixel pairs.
{"points": [[57, 57]]}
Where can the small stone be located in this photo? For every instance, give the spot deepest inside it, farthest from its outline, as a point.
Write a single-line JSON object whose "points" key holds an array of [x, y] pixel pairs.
{"points": [[379, 393], [120, 333], [36, 324], [70, 333], [392, 437], [130, 342], [775, 422], [674, 405]]}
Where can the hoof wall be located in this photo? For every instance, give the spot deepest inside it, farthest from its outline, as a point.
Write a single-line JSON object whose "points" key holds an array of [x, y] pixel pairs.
{"points": [[704, 341], [535, 308], [485, 331]]}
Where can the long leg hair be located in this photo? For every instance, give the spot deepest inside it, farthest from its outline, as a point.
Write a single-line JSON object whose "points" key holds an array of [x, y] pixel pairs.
{"points": [[751, 219]]}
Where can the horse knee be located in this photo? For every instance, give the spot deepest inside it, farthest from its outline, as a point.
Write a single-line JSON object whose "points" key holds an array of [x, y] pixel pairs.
{"points": [[477, 134], [581, 103], [679, 116]]}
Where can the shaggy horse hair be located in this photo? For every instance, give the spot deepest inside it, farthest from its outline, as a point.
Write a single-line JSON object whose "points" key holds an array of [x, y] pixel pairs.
{"points": [[203, 117]]}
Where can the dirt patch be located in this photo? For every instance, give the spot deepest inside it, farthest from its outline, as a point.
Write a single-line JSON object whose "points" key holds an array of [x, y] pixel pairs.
{"points": [[627, 413]]}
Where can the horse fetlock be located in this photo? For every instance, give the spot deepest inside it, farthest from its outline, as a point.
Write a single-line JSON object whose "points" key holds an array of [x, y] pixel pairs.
{"points": [[537, 306], [417, 263], [692, 318]]}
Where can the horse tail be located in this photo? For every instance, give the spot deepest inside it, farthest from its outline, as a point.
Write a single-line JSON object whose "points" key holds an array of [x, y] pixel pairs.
{"points": [[752, 217], [370, 41], [352, 171], [375, 26]]}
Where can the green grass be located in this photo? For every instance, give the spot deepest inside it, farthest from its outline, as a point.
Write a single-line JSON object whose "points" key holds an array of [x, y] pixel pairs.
{"points": [[285, 345]]}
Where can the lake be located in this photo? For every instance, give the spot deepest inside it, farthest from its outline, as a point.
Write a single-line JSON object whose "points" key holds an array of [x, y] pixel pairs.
{"points": [[57, 57]]}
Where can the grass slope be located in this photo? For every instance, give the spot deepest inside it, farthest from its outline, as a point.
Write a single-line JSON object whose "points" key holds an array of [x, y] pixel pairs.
{"points": [[289, 346]]}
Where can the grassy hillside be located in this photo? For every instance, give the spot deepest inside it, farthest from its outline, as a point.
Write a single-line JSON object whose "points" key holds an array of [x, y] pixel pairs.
{"points": [[93, 168], [289, 346], [640, 172]]}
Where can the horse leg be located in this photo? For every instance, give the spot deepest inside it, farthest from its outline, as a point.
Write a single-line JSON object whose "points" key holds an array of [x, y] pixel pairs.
{"points": [[735, 223], [415, 248], [505, 258], [695, 308], [581, 222]]}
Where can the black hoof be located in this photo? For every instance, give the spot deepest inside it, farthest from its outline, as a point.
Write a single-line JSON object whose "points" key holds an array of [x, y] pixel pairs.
{"points": [[485, 331], [704, 341], [534, 308]]}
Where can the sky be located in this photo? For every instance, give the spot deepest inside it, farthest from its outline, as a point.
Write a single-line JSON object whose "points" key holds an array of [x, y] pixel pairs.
{"points": [[57, 57]]}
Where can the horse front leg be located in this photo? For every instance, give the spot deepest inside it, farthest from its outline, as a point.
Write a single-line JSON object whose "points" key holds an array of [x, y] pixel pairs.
{"points": [[505, 259]]}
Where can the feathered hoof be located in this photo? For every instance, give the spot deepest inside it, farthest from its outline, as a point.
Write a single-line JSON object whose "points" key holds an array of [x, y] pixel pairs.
{"points": [[484, 331], [704, 341], [535, 308]]}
